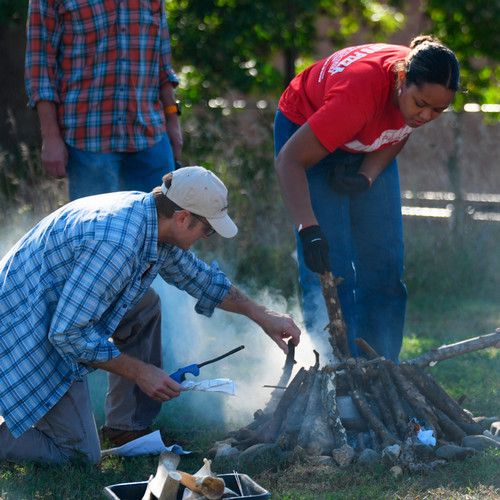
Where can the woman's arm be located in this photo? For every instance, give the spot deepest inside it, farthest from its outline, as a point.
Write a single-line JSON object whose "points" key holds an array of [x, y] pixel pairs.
{"points": [[301, 151], [375, 162]]}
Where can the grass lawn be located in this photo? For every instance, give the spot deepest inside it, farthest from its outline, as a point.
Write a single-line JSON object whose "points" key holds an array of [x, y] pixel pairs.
{"points": [[430, 323]]}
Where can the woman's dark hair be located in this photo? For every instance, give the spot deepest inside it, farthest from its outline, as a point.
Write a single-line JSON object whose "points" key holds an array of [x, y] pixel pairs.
{"points": [[430, 62]]}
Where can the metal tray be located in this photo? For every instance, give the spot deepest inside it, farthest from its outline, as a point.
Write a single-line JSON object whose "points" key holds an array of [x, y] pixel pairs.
{"points": [[242, 484]]}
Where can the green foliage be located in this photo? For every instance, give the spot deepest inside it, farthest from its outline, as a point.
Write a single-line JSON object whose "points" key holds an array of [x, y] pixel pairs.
{"points": [[224, 44], [13, 12], [470, 28]]}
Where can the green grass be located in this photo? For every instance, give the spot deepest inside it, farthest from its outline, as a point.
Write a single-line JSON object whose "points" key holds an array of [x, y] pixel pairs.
{"points": [[478, 477]]}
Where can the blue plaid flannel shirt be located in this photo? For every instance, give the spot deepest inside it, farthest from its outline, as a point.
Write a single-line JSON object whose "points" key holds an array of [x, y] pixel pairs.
{"points": [[65, 286]]}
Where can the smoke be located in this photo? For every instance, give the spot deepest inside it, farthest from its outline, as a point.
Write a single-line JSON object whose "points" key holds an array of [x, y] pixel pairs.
{"points": [[190, 338]]}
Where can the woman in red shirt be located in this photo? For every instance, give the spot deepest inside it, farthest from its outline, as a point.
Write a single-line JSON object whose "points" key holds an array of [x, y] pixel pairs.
{"points": [[338, 130]]}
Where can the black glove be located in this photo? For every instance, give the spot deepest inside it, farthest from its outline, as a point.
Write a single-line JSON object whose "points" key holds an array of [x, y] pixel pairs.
{"points": [[345, 183], [315, 249]]}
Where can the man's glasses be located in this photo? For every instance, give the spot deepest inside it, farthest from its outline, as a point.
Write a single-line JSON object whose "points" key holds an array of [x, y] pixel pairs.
{"points": [[208, 230]]}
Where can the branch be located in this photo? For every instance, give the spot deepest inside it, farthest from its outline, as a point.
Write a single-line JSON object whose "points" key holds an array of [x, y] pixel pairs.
{"points": [[432, 357]]}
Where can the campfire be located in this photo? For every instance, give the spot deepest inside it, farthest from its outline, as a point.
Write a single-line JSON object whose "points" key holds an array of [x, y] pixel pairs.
{"points": [[353, 404]]}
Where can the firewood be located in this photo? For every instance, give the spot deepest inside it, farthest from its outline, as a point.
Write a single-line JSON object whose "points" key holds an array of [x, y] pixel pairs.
{"points": [[383, 404], [337, 326], [430, 388], [292, 424], [330, 409], [416, 400], [400, 417], [432, 357], [315, 435], [375, 423], [270, 433], [366, 348], [283, 381]]}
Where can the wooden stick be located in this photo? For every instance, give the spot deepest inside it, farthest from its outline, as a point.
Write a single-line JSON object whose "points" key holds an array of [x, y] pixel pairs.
{"points": [[366, 348], [283, 381], [432, 357], [337, 326]]}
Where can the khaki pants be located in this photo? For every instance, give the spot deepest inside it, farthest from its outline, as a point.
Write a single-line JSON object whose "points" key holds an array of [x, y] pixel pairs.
{"points": [[69, 429]]}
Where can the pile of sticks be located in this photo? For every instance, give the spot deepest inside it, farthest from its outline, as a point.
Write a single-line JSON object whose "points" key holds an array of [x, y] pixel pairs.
{"points": [[392, 402]]}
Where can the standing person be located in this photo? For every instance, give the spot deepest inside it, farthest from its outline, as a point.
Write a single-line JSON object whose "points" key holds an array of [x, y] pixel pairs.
{"points": [[70, 293], [338, 130], [100, 76]]}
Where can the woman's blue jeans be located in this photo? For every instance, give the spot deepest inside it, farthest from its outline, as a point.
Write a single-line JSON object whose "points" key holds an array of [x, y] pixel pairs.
{"points": [[365, 236]]}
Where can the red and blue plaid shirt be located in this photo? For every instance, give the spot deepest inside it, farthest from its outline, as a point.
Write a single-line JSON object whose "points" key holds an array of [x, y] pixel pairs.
{"points": [[103, 63]]}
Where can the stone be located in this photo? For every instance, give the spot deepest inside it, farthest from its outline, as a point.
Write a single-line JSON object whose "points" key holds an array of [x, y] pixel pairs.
{"points": [[391, 453], [256, 453], [491, 436], [344, 455], [424, 451], [495, 428], [368, 457], [485, 422], [226, 450], [396, 470], [480, 443], [454, 452]]}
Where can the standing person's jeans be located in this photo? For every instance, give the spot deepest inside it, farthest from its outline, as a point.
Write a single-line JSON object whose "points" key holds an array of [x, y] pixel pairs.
{"points": [[97, 173], [365, 236]]}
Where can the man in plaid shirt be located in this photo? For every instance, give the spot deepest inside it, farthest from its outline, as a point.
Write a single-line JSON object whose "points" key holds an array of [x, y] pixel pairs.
{"points": [[100, 75], [70, 303]]}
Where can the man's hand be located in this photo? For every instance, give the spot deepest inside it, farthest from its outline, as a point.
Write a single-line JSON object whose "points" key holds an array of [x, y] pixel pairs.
{"points": [[54, 156], [152, 380], [280, 328], [345, 183], [157, 384], [315, 249]]}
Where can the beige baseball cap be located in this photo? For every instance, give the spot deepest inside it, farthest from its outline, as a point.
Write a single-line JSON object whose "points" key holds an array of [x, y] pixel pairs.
{"points": [[201, 192]]}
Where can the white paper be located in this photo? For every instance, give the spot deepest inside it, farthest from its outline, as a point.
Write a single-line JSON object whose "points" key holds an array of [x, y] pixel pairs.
{"points": [[150, 444], [426, 437], [223, 385]]}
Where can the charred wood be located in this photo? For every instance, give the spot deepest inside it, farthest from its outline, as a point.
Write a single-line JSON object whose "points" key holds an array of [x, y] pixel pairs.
{"points": [[330, 409], [416, 400], [283, 381], [315, 435], [375, 423], [337, 327], [430, 388]]}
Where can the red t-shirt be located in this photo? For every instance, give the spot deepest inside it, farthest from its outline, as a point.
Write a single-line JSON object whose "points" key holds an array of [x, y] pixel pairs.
{"points": [[347, 99]]}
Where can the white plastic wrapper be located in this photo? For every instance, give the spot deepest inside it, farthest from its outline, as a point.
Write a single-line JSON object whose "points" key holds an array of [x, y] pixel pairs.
{"points": [[150, 444], [426, 437], [223, 385]]}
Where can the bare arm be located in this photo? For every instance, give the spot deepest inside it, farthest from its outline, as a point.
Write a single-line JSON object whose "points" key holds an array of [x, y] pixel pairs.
{"points": [[302, 150], [278, 326], [151, 380], [54, 151], [374, 163], [167, 96]]}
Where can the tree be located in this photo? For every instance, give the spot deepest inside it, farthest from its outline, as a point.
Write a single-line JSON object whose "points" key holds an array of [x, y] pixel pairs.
{"points": [[470, 28], [237, 44]]}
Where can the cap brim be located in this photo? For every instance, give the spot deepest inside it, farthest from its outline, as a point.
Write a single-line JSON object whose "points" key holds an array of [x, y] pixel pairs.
{"points": [[224, 226]]}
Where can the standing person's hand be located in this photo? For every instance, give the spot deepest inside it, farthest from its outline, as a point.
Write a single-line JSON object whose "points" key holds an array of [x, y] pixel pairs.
{"points": [[345, 183], [173, 126], [54, 156], [315, 249]]}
